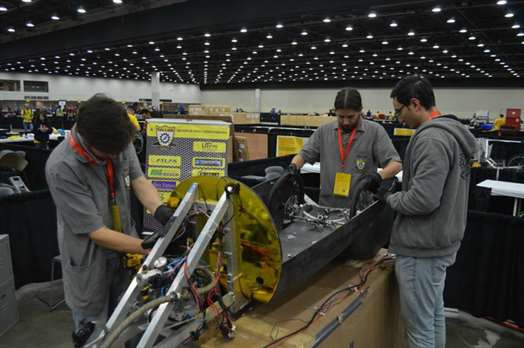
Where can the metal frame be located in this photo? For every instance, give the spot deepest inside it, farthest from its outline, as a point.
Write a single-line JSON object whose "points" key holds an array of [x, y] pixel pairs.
{"points": [[223, 209], [197, 251], [158, 250]]}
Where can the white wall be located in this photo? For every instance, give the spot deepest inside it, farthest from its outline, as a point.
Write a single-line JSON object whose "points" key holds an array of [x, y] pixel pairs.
{"points": [[241, 98], [460, 101], [79, 88]]}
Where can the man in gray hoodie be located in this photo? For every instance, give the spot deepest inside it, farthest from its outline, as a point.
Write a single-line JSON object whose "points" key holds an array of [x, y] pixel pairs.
{"points": [[431, 209]]}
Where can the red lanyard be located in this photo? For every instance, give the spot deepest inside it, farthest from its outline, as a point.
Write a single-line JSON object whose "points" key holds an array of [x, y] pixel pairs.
{"points": [[110, 175], [344, 155]]}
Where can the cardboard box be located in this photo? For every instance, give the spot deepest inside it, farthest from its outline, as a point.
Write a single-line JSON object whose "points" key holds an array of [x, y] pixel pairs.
{"points": [[241, 149], [245, 118], [198, 109], [374, 322], [305, 121], [257, 144]]}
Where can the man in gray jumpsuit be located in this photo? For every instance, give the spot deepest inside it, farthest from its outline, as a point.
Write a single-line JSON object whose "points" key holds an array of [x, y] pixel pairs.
{"points": [[90, 175], [349, 150]]}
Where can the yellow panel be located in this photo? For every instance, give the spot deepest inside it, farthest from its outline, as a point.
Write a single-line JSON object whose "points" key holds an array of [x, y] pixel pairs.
{"points": [[288, 145], [164, 161], [403, 132], [257, 243], [209, 146], [163, 173], [190, 131], [207, 172]]}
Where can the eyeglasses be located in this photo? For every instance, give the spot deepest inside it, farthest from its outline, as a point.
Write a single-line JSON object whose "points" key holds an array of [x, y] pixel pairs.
{"points": [[399, 110]]}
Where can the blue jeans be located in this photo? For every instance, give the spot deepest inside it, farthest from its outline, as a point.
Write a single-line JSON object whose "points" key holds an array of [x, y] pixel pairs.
{"points": [[421, 287], [28, 127]]}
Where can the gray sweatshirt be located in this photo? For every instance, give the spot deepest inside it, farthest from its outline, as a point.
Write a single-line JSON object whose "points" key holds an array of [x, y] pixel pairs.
{"points": [[432, 206]]}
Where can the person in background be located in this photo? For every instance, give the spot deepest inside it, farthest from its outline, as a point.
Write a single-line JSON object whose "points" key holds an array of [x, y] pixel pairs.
{"points": [[431, 209], [499, 123], [27, 118], [349, 150], [90, 176], [132, 117], [42, 130], [146, 114]]}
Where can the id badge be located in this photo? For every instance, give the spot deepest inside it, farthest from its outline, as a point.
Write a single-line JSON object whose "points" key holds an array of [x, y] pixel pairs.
{"points": [[342, 184]]}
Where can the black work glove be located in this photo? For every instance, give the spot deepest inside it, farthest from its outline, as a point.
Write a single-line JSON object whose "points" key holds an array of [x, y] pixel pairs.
{"points": [[163, 213], [293, 169], [373, 182], [383, 196]]}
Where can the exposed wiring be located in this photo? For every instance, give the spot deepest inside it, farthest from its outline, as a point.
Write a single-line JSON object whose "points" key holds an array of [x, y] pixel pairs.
{"points": [[114, 334], [328, 303]]}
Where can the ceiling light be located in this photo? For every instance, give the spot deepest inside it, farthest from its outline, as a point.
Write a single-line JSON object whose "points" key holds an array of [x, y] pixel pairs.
{"points": [[27, 1], [349, 28], [326, 20], [30, 25], [502, 2], [313, 47], [294, 43], [471, 38], [520, 34], [345, 45], [3, 9], [411, 33], [279, 26], [327, 40], [400, 49], [11, 30], [81, 10], [269, 36], [509, 15], [393, 24], [369, 36], [207, 35], [385, 42], [423, 40], [436, 47], [463, 30], [118, 2], [372, 14], [243, 30], [451, 20], [54, 17], [436, 9]]}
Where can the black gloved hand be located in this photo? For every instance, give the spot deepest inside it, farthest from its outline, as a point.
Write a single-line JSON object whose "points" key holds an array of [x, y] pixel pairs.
{"points": [[373, 182], [293, 169], [163, 213], [383, 196]]}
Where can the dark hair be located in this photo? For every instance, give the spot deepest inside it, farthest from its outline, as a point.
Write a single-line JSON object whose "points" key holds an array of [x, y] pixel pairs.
{"points": [[105, 125], [414, 86], [348, 98]]}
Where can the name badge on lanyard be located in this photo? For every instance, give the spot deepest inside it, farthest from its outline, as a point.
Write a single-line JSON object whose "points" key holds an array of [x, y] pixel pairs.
{"points": [[343, 180]]}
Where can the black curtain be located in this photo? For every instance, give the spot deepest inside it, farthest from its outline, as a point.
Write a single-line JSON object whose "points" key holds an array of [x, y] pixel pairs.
{"points": [[30, 221], [487, 279]]}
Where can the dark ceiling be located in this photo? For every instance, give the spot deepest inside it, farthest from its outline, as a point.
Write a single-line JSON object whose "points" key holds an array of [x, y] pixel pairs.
{"points": [[321, 43]]}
